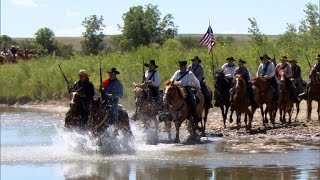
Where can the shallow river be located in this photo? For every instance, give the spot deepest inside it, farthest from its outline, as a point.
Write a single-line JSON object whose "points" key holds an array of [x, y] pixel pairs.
{"points": [[35, 146]]}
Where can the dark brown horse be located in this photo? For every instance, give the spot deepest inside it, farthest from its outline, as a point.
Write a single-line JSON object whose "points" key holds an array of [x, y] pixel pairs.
{"points": [[205, 113], [174, 100], [264, 95], [74, 119], [241, 101], [286, 103], [313, 93], [147, 110], [222, 96]]}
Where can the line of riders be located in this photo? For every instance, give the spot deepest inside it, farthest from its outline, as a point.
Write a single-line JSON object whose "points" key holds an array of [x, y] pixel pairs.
{"points": [[11, 55], [192, 77]]}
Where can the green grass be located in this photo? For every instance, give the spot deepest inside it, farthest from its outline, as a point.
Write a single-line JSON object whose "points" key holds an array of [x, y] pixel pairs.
{"points": [[41, 79]]}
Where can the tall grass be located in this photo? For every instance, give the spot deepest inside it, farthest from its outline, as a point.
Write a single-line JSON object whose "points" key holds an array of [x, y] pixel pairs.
{"points": [[42, 80]]}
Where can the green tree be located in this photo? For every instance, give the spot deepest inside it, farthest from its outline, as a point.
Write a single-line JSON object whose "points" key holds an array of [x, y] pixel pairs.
{"points": [[93, 41], [46, 39], [143, 25], [6, 41]]}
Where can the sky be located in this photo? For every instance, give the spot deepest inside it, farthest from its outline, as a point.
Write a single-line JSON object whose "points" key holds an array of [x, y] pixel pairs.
{"points": [[22, 18]]}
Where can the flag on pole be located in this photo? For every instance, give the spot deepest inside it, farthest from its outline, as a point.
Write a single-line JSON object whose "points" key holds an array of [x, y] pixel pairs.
{"points": [[208, 39]]}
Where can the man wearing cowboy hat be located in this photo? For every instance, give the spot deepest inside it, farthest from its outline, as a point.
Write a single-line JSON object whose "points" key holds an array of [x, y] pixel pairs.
{"points": [[284, 66], [243, 71], [267, 70], [197, 70], [296, 75], [113, 91], [188, 80], [152, 78], [13, 52], [86, 90], [229, 69]]}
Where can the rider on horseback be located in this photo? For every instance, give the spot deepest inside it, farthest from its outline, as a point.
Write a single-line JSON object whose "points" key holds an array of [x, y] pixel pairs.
{"points": [[86, 90], [152, 78], [284, 66], [113, 91], [316, 67], [188, 80], [243, 71], [296, 75], [267, 70], [229, 69], [197, 70]]}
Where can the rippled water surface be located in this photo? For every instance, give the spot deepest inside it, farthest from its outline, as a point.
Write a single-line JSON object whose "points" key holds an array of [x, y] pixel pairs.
{"points": [[34, 145]]}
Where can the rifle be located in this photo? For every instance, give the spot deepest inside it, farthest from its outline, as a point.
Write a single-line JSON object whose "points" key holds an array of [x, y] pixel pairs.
{"points": [[143, 70], [65, 78], [102, 94], [308, 61]]}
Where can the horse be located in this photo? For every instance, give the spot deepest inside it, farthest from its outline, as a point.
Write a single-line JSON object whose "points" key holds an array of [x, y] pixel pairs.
{"points": [[74, 119], [286, 103], [3, 59], [205, 112], [265, 95], [222, 96], [174, 100], [313, 93], [99, 122], [147, 108], [241, 102]]}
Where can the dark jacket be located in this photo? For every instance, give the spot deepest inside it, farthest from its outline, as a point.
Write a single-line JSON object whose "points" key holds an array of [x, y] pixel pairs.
{"points": [[296, 72], [317, 67], [243, 71], [86, 89]]}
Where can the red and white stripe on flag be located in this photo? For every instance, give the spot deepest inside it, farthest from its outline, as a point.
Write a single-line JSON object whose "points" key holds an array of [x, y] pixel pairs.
{"points": [[208, 39]]}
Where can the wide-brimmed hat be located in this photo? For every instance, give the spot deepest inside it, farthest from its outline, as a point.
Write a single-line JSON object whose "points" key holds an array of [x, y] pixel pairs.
{"points": [[293, 61], [242, 61], [183, 63], [230, 58], [284, 58], [153, 62], [196, 58], [318, 57], [113, 70], [264, 56], [83, 72]]}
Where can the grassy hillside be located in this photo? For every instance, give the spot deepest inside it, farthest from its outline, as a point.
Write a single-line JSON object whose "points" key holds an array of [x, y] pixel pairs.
{"points": [[41, 79]]}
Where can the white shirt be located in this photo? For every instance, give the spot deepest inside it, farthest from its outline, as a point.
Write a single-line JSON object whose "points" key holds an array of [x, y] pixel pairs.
{"points": [[229, 70], [155, 80], [270, 71], [188, 80]]}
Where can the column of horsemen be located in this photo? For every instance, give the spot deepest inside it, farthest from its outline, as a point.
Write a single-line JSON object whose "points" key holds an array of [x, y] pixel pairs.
{"points": [[191, 78]]}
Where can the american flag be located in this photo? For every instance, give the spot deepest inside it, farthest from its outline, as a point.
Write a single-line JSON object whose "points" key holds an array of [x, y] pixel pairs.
{"points": [[208, 39]]}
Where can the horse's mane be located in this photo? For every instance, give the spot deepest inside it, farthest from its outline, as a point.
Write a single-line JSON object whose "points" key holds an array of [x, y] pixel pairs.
{"points": [[181, 92]]}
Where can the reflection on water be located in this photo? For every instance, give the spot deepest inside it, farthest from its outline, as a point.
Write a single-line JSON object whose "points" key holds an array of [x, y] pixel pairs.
{"points": [[35, 146], [165, 171]]}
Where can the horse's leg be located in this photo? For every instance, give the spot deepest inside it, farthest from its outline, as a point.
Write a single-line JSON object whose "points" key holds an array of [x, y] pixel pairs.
{"points": [[247, 113], [290, 113], [156, 124], [298, 109], [266, 111], [177, 124], [319, 110], [223, 116], [206, 112], [309, 108], [238, 114], [262, 115], [168, 128], [231, 114]]}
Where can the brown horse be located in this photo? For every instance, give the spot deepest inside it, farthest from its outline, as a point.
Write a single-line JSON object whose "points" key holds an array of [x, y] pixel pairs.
{"points": [[313, 93], [241, 101], [99, 122], [264, 95], [147, 109], [222, 96], [73, 119], [174, 100], [286, 103]]}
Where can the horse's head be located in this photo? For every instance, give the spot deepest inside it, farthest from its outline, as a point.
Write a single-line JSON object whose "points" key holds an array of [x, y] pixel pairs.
{"points": [[74, 99], [173, 90], [313, 75], [140, 92], [261, 83], [239, 83]]}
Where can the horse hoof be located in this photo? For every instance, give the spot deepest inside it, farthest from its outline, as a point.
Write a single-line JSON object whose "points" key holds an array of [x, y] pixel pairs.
{"points": [[225, 127], [231, 120], [176, 140]]}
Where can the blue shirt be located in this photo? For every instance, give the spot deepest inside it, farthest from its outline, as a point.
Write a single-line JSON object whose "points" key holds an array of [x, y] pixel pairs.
{"points": [[115, 88]]}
